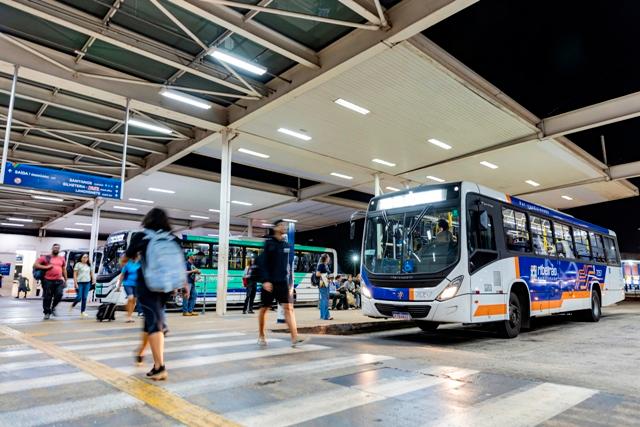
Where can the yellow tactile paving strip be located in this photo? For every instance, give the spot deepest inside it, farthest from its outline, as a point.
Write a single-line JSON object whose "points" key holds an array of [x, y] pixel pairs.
{"points": [[156, 397]]}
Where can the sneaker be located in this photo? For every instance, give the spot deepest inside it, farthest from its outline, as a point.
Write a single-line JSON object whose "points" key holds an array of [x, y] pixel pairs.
{"points": [[262, 341], [244, 311], [184, 313], [139, 359], [159, 374], [193, 314], [83, 314], [251, 312], [53, 313], [47, 316], [299, 341]]}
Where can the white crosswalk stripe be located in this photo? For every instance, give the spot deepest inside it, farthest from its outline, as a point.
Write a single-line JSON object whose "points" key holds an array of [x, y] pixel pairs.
{"points": [[170, 339], [43, 382], [15, 366], [19, 352]]}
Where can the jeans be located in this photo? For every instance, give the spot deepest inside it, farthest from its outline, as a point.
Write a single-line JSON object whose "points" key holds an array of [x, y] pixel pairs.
{"points": [[83, 293], [52, 294], [324, 303], [190, 304], [340, 300], [251, 296], [358, 299]]}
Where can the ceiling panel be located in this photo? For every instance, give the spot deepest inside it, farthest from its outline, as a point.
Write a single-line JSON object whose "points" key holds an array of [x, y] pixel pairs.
{"points": [[584, 195]]}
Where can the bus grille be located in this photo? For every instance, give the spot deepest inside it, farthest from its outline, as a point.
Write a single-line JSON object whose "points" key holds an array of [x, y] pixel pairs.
{"points": [[416, 311]]}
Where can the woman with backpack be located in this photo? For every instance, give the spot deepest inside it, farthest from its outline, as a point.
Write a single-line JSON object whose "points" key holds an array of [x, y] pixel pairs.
{"points": [[160, 275], [322, 270]]}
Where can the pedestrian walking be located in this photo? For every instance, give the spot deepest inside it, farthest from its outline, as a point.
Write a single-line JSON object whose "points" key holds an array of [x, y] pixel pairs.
{"points": [[54, 279], [23, 286], [250, 284], [129, 279], [275, 272], [82, 280], [156, 240], [188, 304], [321, 273]]}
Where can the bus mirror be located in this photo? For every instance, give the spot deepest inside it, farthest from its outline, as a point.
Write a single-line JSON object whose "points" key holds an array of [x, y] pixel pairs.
{"points": [[352, 230], [484, 221]]}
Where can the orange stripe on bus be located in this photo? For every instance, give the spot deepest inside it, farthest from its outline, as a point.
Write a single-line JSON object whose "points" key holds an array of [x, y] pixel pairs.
{"points": [[517, 264], [411, 294], [490, 310], [557, 303]]}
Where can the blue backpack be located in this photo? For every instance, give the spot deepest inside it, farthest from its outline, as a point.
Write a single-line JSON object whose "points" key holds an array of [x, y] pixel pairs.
{"points": [[164, 268], [37, 273]]}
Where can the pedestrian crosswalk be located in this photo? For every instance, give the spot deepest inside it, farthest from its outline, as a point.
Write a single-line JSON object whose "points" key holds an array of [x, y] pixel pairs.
{"points": [[317, 384]]}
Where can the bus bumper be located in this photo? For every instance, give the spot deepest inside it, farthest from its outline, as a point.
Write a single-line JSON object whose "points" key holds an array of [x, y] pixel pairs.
{"points": [[454, 310]]}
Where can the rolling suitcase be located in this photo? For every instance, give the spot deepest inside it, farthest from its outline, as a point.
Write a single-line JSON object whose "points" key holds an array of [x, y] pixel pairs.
{"points": [[106, 311]]}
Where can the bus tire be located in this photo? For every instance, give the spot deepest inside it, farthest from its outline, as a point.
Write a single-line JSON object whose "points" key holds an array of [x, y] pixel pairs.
{"points": [[426, 325], [510, 328], [595, 312]]}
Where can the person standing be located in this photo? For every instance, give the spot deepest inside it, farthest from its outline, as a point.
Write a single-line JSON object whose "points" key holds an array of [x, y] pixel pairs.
{"points": [[152, 303], [188, 304], [322, 270], [55, 276], [129, 278], [82, 280], [275, 286], [250, 286]]}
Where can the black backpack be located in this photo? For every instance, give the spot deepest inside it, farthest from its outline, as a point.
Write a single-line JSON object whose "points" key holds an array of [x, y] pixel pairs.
{"points": [[38, 274], [315, 280]]}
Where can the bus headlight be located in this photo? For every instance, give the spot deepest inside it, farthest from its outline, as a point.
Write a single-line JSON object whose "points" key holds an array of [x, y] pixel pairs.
{"points": [[365, 291], [451, 289]]}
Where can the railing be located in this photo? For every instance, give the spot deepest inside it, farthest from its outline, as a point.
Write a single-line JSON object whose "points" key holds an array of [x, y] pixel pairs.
{"points": [[210, 282]]}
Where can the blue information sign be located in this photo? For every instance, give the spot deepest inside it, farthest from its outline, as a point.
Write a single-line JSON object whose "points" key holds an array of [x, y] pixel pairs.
{"points": [[42, 178], [5, 269]]}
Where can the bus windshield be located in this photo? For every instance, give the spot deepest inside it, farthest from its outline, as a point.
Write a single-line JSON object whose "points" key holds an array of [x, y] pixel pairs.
{"points": [[113, 251], [424, 240]]}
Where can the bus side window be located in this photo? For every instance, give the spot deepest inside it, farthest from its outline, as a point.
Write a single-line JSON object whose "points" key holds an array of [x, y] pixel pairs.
{"points": [[515, 230], [611, 251], [597, 246], [543, 243], [564, 241], [583, 248]]}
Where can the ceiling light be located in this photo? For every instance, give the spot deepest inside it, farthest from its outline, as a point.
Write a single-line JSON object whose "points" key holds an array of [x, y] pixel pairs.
{"points": [[352, 106], [240, 63], [86, 224], [50, 199], [440, 144], [383, 162], [214, 210], [131, 199], [187, 99], [237, 202], [567, 198], [489, 165], [11, 224], [161, 190], [393, 189], [253, 153], [199, 217], [20, 219], [435, 178], [339, 175], [125, 208], [295, 134], [290, 220], [532, 183], [264, 224], [73, 229], [149, 126]]}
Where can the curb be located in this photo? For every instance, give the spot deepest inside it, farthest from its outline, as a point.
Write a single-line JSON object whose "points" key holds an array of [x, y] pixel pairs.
{"points": [[352, 328]]}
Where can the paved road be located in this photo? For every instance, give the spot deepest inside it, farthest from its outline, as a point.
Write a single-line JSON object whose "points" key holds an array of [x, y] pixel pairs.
{"points": [[73, 372]]}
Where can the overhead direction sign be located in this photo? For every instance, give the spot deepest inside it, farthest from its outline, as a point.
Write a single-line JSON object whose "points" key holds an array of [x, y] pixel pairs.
{"points": [[62, 181]]}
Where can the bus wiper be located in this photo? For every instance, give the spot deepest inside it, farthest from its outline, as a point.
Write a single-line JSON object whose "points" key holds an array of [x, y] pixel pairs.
{"points": [[417, 221]]}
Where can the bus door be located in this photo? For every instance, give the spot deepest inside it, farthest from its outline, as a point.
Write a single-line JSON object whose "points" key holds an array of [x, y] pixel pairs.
{"points": [[544, 277]]}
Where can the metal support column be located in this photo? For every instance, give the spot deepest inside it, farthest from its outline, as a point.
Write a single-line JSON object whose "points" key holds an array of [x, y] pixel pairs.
{"points": [[250, 228], [124, 150], [7, 131], [223, 228], [95, 227], [376, 184]]}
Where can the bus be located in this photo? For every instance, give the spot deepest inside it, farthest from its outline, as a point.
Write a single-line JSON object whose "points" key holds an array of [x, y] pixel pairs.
{"points": [[72, 256], [463, 253], [205, 251]]}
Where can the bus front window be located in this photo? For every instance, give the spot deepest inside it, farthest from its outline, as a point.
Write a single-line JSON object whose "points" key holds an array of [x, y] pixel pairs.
{"points": [[111, 258], [422, 241]]}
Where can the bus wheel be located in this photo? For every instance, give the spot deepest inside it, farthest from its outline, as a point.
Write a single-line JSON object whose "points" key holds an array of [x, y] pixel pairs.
{"points": [[510, 328], [426, 326], [178, 300], [595, 312]]}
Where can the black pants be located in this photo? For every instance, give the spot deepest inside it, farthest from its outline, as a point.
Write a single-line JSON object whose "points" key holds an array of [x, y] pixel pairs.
{"points": [[52, 294], [251, 295], [340, 300]]}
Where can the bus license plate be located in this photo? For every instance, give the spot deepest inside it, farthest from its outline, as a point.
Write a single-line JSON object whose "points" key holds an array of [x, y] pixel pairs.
{"points": [[401, 315]]}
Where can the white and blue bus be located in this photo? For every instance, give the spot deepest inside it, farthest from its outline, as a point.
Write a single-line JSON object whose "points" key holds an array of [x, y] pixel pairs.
{"points": [[463, 253]]}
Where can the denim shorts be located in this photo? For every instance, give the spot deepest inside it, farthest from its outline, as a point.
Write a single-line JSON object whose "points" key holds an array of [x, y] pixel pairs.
{"points": [[131, 291]]}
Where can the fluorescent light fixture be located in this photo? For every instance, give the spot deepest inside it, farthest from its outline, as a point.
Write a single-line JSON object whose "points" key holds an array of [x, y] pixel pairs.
{"points": [[294, 134], [393, 189], [11, 224], [124, 208], [435, 178], [567, 198], [290, 220], [264, 224], [340, 175], [187, 99], [383, 162], [214, 210], [73, 229], [240, 63], [352, 106], [20, 219], [488, 164], [131, 199], [440, 144], [532, 183], [199, 217], [150, 126], [412, 199], [50, 199], [253, 153], [86, 224], [161, 190], [238, 202]]}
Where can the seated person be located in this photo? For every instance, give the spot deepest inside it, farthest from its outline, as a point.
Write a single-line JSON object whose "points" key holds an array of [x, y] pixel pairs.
{"points": [[337, 292]]}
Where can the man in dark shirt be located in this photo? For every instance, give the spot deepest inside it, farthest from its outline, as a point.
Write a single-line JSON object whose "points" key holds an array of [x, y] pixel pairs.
{"points": [[275, 283]]}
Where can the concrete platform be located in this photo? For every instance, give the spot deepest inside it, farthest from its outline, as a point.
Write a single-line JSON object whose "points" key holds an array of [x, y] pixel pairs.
{"points": [[69, 371]]}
